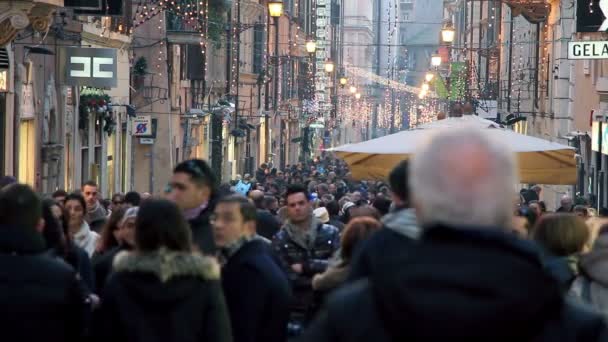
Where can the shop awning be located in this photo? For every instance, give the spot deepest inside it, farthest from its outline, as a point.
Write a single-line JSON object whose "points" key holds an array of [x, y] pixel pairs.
{"points": [[540, 161]]}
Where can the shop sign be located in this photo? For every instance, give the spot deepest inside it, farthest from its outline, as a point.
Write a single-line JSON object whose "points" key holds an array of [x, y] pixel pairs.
{"points": [[592, 16], [588, 50], [27, 102], [3, 81], [96, 7], [142, 126], [604, 138], [595, 136], [90, 67]]}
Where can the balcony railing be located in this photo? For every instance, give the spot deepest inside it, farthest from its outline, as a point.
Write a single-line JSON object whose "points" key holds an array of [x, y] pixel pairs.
{"points": [[178, 24]]}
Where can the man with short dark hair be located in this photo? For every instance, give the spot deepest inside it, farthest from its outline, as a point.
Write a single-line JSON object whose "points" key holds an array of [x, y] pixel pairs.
{"points": [[40, 298], [96, 215], [304, 246], [132, 199], [399, 232], [59, 196], [256, 289], [193, 188]]}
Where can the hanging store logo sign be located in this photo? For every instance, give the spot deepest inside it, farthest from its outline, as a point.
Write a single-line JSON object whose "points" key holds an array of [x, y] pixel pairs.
{"points": [[588, 50], [142, 126], [89, 67], [592, 16], [96, 7]]}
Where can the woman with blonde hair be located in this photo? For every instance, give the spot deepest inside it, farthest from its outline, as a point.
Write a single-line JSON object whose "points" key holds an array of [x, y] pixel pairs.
{"points": [[562, 237]]}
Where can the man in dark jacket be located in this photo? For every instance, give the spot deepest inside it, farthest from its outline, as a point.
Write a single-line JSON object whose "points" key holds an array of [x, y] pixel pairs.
{"points": [[304, 245], [469, 278], [193, 188], [266, 223], [399, 233], [40, 299], [256, 289]]}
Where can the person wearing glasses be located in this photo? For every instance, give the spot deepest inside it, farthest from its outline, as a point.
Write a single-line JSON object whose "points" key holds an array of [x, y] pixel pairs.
{"points": [[118, 199], [193, 187]]}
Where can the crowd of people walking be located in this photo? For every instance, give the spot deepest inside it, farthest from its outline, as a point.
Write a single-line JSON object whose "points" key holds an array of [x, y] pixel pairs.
{"points": [[443, 249]]}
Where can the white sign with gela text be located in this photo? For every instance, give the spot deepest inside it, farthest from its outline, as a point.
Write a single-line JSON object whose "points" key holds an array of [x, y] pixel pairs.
{"points": [[142, 126], [588, 49]]}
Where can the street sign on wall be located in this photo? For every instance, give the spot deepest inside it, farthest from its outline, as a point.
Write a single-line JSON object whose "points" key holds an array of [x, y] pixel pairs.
{"points": [[588, 49], [142, 126], [96, 7], [89, 67], [592, 15]]}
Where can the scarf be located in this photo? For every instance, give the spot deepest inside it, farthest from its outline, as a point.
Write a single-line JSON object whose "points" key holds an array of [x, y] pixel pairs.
{"points": [[193, 213]]}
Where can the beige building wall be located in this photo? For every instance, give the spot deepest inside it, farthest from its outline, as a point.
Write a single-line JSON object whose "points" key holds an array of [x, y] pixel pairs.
{"points": [[153, 163]]}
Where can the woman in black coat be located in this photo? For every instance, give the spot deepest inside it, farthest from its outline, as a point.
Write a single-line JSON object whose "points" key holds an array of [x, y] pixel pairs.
{"points": [[162, 291]]}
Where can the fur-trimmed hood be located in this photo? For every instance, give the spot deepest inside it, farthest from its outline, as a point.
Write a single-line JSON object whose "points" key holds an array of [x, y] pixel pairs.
{"points": [[167, 265]]}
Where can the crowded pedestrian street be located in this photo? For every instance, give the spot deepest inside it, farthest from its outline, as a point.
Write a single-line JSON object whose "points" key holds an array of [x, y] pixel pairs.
{"points": [[303, 170]]}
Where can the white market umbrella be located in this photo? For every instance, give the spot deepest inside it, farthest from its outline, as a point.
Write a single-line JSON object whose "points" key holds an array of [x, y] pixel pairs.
{"points": [[540, 161]]}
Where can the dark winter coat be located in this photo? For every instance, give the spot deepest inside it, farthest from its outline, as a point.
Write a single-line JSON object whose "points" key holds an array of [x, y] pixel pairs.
{"points": [[202, 236], [162, 296], [458, 285], [40, 297], [257, 293], [291, 248], [102, 265], [79, 260], [267, 224], [393, 242]]}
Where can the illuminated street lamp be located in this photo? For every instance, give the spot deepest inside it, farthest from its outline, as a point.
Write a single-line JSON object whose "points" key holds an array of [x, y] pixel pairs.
{"points": [[425, 87], [353, 89], [275, 8], [429, 76], [448, 33], [311, 46], [343, 81], [329, 66], [422, 94], [357, 96], [436, 60]]}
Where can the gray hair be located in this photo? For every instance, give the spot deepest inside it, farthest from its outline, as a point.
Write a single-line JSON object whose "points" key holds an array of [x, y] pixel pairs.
{"points": [[466, 177]]}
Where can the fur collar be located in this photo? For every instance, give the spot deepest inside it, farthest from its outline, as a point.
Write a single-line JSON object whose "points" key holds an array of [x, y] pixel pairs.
{"points": [[167, 265]]}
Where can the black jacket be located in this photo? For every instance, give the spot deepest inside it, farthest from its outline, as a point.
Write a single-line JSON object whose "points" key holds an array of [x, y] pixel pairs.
{"points": [[40, 297], [162, 296], [79, 260], [202, 236], [102, 265], [458, 285], [313, 256], [393, 242], [257, 294], [267, 224]]}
